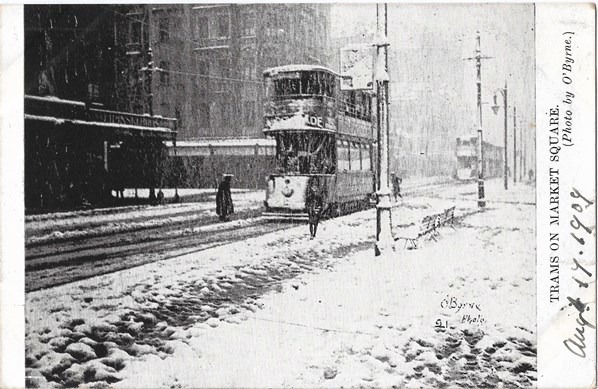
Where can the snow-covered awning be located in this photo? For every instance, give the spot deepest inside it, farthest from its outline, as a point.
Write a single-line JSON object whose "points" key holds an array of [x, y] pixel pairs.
{"points": [[114, 128], [53, 113]]}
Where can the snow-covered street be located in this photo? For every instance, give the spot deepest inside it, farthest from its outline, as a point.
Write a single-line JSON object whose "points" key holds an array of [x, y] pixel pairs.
{"points": [[281, 310]]}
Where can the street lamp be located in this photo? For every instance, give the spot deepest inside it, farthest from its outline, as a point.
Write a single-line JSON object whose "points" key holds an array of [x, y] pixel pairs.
{"points": [[495, 108]]}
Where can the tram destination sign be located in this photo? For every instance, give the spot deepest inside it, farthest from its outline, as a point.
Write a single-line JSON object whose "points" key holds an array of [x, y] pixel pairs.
{"points": [[357, 67]]}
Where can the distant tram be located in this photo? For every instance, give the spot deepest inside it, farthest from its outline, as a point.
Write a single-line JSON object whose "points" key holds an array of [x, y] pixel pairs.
{"points": [[323, 138], [467, 159]]}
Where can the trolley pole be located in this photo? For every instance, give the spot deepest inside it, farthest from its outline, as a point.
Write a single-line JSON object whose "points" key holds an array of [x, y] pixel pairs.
{"points": [[478, 58], [384, 239]]}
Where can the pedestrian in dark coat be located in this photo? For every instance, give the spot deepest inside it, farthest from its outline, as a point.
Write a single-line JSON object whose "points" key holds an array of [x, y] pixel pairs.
{"points": [[314, 205], [224, 200], [396, 186]]}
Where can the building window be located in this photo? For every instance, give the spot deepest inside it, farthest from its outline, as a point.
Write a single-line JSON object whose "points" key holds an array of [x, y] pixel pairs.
{"points": [[202, 27], [164, 29], [204, 115], [223, 68], [134, 31], [249, 71], [223, 25], [249, 25], [203, 67], [93, 92], [164, 74], [249, 113], [178, 116]]}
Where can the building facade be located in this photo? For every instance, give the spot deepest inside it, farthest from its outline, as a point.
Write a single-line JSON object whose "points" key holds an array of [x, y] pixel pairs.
{"points": [[80, 139], [208, 60]]}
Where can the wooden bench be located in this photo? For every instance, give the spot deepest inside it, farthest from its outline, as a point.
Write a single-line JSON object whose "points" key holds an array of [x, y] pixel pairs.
{"points": [[448, 217], [428, 226]]}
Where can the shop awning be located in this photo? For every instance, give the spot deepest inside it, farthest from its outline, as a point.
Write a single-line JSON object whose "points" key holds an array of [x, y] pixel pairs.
{"points": [[51, 113]]}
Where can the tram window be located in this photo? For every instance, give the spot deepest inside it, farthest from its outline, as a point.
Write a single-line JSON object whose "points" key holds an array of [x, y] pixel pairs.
{"points": [[360, 149], [310, 83], [365, 158], [359, 105], [350, 103], [284, 86], [317, 83], [368, 107], [343, 157], [353, 156], [305, 153], [330, 85]]}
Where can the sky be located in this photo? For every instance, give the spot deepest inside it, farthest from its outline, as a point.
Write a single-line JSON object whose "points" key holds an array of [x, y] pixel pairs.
{"points": [[428, 44]]}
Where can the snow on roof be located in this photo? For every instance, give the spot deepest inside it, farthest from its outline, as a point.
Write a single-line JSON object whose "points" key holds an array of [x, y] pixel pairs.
{"points": [[225, 142], [114, 126], [297, 68], [54, 99]]}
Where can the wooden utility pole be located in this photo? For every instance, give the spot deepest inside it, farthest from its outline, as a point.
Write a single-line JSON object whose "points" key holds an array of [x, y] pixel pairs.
{"points": [[478, 58], [495, 109], [384, 239], [514, 144]]}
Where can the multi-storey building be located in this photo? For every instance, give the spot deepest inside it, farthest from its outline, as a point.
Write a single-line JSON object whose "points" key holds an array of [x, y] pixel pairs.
{"points": [[208, 60], [80, 137]]}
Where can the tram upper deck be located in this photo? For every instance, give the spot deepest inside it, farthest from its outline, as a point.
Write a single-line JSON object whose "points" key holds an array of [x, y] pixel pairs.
{"points": [[309, 98]]}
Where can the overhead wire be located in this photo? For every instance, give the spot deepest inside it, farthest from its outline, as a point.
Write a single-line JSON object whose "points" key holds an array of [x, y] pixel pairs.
{"points": [[197, 43], [200, 75]]}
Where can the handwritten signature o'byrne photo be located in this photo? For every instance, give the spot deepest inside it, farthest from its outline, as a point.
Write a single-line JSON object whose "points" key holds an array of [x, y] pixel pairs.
{"points": [[452, 303]]}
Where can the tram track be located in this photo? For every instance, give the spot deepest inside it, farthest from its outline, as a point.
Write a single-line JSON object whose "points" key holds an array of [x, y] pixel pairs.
{"points": [[117, 238], [56, 269], [68, 260]]}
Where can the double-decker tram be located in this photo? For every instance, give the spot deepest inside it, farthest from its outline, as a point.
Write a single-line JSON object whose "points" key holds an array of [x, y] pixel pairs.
{"points": [[467, 159], [323, 141]]}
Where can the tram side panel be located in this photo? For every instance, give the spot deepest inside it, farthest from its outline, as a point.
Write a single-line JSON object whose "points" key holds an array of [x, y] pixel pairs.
{"points": [[352, 188], [353, 184]]}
